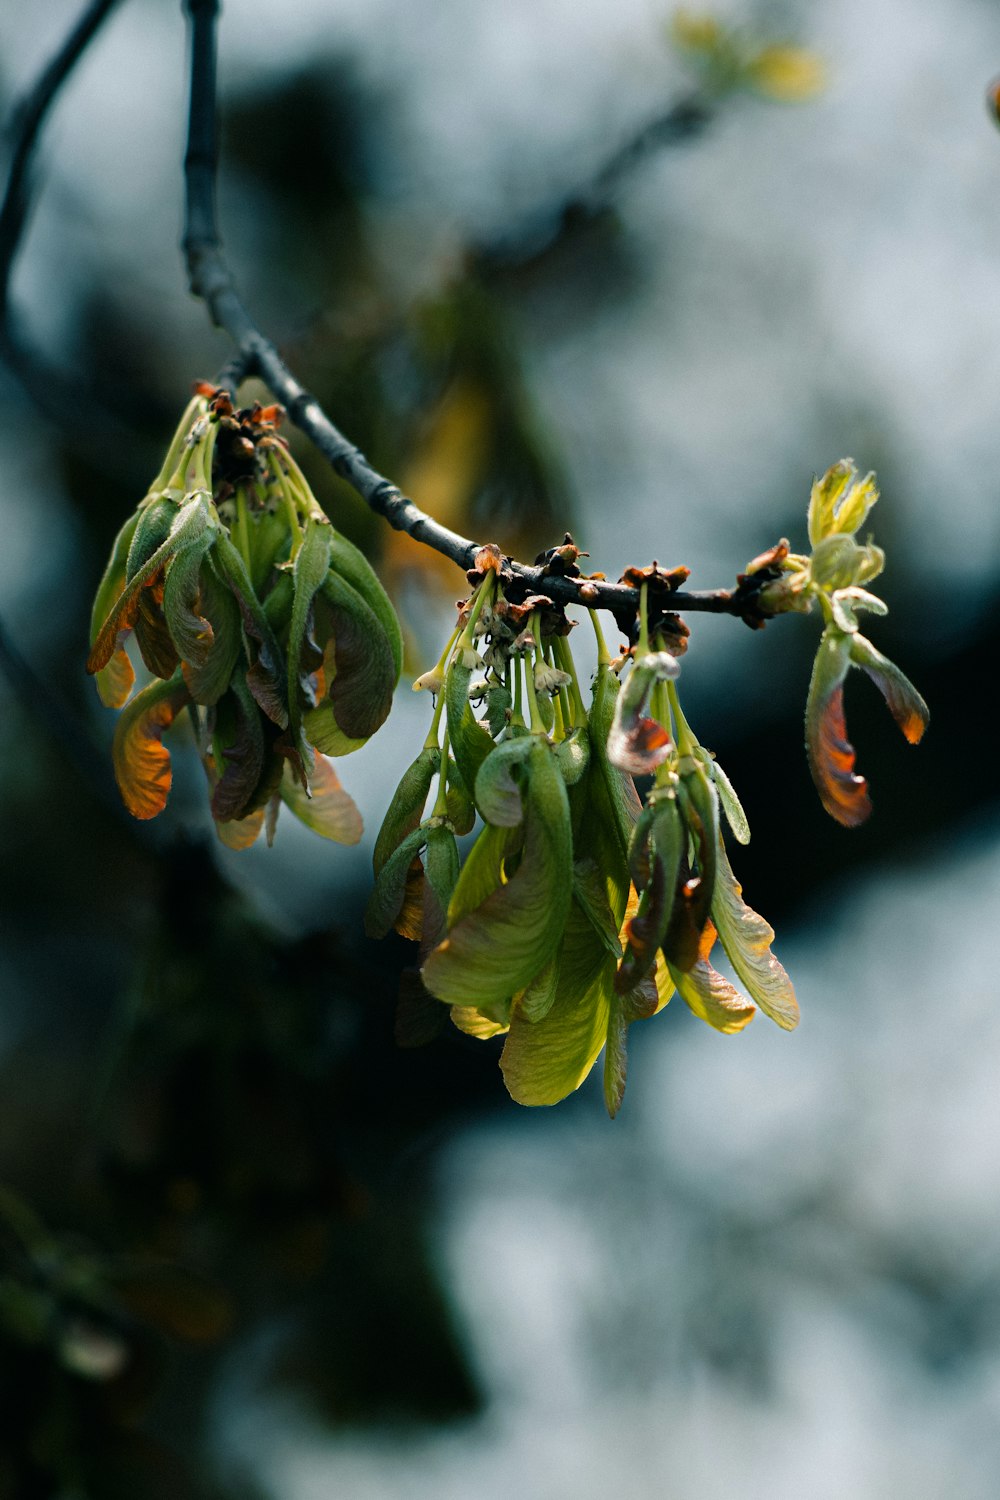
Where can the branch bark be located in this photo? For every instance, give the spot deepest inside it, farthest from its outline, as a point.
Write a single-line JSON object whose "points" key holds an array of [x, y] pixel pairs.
{"points": [[210, 279], [24, 128]]}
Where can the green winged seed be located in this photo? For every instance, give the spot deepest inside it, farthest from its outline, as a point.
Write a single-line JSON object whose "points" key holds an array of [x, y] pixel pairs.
{"points": [[192, 520], [386, 899], [208, 679], [747, 939], [622, 800], [153, 525], [326, 809], [352, 565], [498, 948], [573, 755], [115, 680], [904, 702], [470, 741], [312, 562], [537, 999], [363, 676], [543, 1061], [728, 800], [712, 998], [498, 795], [190, 632], [406, 807]]}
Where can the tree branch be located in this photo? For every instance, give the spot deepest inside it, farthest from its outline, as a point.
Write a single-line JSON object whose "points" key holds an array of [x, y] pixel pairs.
{"points": [[210, 279], [24, 127]]}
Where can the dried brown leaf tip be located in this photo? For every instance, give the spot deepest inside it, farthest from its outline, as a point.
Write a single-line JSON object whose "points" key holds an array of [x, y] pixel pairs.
{"points": [[657, 579], [489, 559], [768, 562], [561, 561]]}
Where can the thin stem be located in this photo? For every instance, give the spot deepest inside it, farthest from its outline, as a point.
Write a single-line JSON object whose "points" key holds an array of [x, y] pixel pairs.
{"points": [[441, 801], [210, 279], [25, 126]]}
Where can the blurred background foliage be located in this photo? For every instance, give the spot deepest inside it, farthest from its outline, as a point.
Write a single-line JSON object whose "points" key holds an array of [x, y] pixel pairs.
{"points": [[550, 269]]}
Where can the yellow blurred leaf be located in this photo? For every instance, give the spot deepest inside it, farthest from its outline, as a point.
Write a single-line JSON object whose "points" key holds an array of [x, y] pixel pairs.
{"points": [[789, 74]]}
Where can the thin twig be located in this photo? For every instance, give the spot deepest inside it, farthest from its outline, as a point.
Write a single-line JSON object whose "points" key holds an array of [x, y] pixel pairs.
{"points": [[24, 127], [545, 227], [210, 279]]}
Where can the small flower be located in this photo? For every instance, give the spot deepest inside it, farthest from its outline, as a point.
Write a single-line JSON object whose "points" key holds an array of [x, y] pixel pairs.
{"points": [[550, 679]]}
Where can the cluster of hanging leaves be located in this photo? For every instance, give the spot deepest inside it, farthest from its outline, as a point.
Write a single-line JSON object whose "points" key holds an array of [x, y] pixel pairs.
{"points": [[253, 613], [835, 576]]}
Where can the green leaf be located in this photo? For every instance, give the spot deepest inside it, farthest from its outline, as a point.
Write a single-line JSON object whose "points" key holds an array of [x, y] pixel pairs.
{"points": [[498, 795], [406, 807], [266, 675], [498, 948], [826, 492], [320, 727], [141, 760], [329, 810], [905, 704], [647, 929], [831, 754], [747, 939]]}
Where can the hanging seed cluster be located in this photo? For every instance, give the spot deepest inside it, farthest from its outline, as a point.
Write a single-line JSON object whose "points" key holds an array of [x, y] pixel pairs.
{"points": [[578, 909], [253, 613]]}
